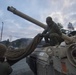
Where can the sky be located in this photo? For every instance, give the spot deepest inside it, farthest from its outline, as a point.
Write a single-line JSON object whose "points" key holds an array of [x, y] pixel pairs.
{"points": [[15, 27]]}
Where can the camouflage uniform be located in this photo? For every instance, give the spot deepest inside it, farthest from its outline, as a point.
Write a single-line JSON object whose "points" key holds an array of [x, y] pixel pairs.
{"points": [[5, 68], [52, 33]]}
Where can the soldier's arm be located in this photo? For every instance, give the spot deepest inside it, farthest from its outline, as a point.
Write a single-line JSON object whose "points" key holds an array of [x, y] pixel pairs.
{"points": [[45, 31]]}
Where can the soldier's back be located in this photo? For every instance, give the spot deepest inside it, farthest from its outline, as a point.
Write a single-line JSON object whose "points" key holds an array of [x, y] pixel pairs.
{"points": [[5, 68]]}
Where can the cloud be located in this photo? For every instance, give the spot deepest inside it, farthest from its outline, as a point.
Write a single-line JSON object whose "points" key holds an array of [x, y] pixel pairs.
{"points": [[62, 11], [1, 13], [16, 30]]}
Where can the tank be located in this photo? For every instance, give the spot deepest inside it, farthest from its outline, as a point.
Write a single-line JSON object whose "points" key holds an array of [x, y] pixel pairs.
{"points": [[16, 12], [51, 60]]}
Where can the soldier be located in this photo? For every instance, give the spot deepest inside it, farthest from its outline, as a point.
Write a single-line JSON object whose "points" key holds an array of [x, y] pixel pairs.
{"points": [[52, 33], [5, 68]]}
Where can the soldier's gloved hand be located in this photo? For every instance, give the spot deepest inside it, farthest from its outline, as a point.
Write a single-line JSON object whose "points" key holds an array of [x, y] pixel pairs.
{"points": [[44, 35], [40, 35]]}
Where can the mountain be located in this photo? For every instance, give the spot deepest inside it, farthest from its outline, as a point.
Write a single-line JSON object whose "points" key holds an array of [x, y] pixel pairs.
{"points": [[20, 43]]}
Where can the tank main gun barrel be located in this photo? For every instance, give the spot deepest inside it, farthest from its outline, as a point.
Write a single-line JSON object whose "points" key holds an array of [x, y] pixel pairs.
{"points": [[15, 11]]}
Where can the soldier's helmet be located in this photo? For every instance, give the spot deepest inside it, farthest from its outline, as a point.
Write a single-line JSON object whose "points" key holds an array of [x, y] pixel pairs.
{"points": [[2, 50], [48, 20]]}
